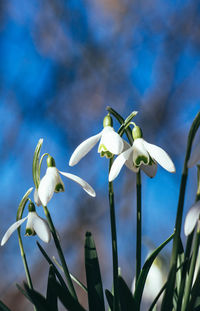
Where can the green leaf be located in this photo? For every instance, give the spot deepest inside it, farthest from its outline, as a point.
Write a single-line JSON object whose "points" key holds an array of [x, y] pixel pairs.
{"points": [[127, 301], [59, 276], [93, 275], [23, 291], [110, 298], [50, 296], [180, 261], [35, 166], [23, 203], [77, 281], [66, 298], [37, 299], [144, 272], [3, 307]]}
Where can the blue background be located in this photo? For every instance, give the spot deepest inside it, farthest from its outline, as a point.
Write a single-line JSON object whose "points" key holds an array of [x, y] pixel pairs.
{"points": [[62, 62]]}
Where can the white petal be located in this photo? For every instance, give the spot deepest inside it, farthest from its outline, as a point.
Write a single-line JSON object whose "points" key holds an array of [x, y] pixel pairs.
{"points": [[36, 198], [195, 156], [47, 185], [160, 156], [192, 218], [111, 140], [11, 230], [40, 226], [84, 148], [150, 170], [139, 150], [81, 182], [118, 163]]}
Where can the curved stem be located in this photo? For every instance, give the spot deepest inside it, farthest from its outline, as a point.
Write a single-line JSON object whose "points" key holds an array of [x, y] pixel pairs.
{"points": [[60, 252], [114, 244], [139, 226]]}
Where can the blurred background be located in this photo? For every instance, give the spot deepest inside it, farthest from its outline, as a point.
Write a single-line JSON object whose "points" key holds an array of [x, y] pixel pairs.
{"points": [[62, 62]]}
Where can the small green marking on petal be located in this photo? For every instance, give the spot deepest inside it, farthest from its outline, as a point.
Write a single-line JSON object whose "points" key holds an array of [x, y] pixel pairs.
{"points": [[30, 232], [59, 188], [141, 159], [104, 152]]}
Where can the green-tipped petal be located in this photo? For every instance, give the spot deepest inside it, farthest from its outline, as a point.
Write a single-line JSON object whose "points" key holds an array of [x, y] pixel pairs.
{"points": [[192, 218], [140, 154], [111, 140], [160, 156], [40, 226], [118, 163], [12, 228], [81, 182], [84, 148]]}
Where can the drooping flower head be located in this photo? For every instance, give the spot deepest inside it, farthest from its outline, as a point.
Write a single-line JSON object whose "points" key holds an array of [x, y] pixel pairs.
{"points": [[110, 143], [52, 182], [141, 155], [35, 225]]}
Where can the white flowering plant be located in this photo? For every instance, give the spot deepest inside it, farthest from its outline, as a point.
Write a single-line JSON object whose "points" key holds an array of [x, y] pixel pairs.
{"points": [[180, 291]]}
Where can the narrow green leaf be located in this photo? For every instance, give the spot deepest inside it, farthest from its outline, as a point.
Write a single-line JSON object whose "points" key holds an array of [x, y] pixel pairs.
{"points": [[77, 281], [59, 276], [35, 166], [66, 298], [110, 298], [93, 275], [38, 300], [3, 307], [50, 296], [23, 203], [23, 291], [180, 261], [144, 272], [127, 301]]}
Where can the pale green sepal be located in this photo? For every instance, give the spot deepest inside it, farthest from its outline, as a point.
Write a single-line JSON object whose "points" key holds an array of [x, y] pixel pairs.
{"points": [[35, 166]]}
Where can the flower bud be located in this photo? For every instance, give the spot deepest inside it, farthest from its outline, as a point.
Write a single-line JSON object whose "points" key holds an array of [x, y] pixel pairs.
{"points": [[137, 132], [51, 162], [108, 121]]}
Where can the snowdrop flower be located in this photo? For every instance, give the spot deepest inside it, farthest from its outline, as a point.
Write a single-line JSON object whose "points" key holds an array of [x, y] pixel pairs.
{"points": [[192, 218], [52, 182], [141, 155], [110, 143], [35, 225], [195, 157]]}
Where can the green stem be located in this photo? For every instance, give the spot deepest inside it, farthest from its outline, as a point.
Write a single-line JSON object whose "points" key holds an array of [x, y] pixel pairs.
{"points": [[114, 244], [60, 253], [23, 255], [191, 271], [168, 297], [184, 270], [139, 226]]}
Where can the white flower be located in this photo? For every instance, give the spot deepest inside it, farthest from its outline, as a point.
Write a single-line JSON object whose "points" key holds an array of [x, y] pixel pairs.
{"points": [[192, 218], [141, 155], [52, 182], [35, 225], [195, 157], [110, 143]]}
